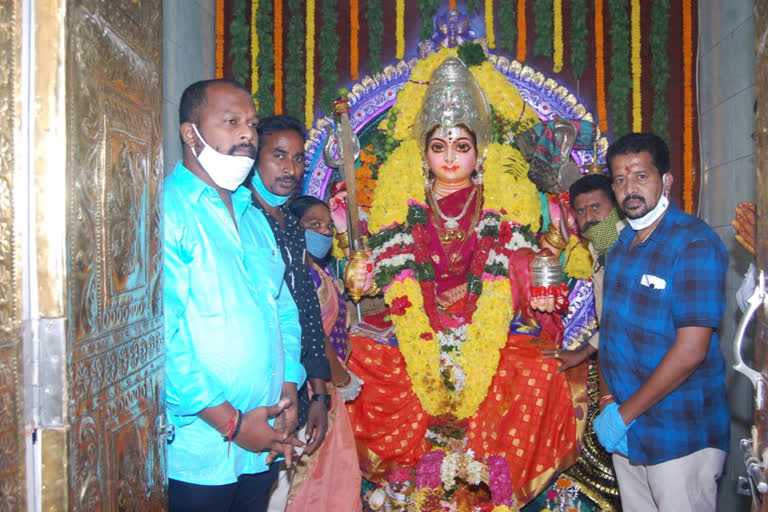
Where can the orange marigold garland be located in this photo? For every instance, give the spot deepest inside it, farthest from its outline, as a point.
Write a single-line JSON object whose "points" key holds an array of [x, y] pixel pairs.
{"points": [[278, 18], [354, 32], [219, 38], [688, 171], [521, 31], [602, 111], [637, 67]]}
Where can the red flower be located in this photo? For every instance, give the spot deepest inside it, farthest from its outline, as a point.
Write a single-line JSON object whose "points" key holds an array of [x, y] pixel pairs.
{"points": [[503, 211], [399, 305], [426, 336], [505, 232]]}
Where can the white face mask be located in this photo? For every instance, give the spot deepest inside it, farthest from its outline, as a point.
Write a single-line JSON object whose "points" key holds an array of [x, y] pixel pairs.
{"points": [[649, 218], [226, 171]]}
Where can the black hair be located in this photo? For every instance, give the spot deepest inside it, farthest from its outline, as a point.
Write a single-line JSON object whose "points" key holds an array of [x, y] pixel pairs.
{"points": [[281, 123], [590, 183], [195, 97], [639, 142], [301, 204]]}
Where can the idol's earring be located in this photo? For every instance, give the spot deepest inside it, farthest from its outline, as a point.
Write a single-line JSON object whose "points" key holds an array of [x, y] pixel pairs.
{"points": [[479, 170], [427, 181]]}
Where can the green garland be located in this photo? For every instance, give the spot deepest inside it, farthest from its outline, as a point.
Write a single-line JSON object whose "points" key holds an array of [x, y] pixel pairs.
{"points": [[375, 18], [621, 76], [427, 9], [543, 27], [328, 44], [238, 31], [473, 6], [659, 66], [579, 33], [265, 96], [507, 23], [294, 61]]}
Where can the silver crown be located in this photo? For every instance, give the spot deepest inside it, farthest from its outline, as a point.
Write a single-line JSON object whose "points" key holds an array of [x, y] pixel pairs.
{"points": [[454, 99]]}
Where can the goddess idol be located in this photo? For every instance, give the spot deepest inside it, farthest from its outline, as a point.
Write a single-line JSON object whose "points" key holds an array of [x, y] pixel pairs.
{"points": [[454, 227]]}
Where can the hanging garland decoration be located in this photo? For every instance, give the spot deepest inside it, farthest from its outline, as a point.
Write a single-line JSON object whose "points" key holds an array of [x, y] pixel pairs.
{"points": [[637, 69], [238, 30], [522, 36], [375, 18], [400, 29], [579, 34], [329, 42], [278, 38], [621, 81], [473, 6], [557, 56], [427, 8], [309, 68], [452, 4], [219, 38], [265, 98], [688, 171], [659, 66], [602, 110], [254, 51], [354, 39], [489, 28], [507, 25], [542, 28], [294, 60]]}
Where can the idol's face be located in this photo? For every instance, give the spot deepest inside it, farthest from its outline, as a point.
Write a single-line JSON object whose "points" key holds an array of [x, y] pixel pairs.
{"points": [[451, 156], [591, 208], [637, 183]]}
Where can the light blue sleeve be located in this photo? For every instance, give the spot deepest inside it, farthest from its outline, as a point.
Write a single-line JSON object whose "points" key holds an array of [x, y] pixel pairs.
{"points": [[290, 329], [189, 388]]}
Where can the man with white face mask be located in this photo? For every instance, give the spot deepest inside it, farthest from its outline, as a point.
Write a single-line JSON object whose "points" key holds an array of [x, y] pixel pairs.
{"points": [[664, 410], [232, 335]]}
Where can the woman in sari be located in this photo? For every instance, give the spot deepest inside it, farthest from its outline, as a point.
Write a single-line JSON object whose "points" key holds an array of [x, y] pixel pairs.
{"points": [[454, 228]]}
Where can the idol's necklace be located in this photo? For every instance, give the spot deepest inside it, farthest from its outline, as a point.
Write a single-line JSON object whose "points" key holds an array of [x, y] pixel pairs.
{"points": [[452, 223]]}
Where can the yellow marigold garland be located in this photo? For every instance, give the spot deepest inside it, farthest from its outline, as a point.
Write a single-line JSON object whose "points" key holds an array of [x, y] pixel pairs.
{"points": [[637, 67], [578, 260], [503, 192], [557, 55], [400, 179], [503, 95], [309, 68], [400, 29], [254, 50], [489, 28]]}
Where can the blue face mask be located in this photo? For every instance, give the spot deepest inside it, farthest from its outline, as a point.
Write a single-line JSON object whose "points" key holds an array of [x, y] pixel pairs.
{"points": [[318, 244], [271, 199]]}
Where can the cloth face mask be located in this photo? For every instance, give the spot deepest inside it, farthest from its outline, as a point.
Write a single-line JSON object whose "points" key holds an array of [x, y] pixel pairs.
{"points": [[318, 244], [271, 199], [653, 215], [604, 234], [226, 171]]}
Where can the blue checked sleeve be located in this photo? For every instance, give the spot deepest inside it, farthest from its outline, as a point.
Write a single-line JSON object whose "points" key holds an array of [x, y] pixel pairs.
{"points": [[699, 288]]}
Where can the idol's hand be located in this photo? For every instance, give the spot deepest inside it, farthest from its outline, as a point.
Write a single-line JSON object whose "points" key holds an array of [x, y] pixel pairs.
{"points": [[358, 276], [744, 223], [338, 206]]}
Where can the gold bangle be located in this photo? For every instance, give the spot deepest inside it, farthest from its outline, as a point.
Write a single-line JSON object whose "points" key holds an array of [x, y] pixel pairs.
{"points": [[343, 239]]}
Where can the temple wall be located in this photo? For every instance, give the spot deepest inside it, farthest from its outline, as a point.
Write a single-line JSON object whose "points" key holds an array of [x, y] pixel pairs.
{"points": [[189, 46], [726, 80]]}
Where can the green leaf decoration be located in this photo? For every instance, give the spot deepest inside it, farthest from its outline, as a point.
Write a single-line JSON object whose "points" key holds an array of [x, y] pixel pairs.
{"points": [[506, 18], [579, 34], [375, 18], [265, 96], [238, 31], [471, 54], [543, 27], [328, 46], [294, 61], [620, 87], [473, 6], [659, 67], [427, 9]]}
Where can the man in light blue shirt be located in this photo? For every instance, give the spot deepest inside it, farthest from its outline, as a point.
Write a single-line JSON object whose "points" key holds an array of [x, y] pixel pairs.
{"points": [[232, 332]]}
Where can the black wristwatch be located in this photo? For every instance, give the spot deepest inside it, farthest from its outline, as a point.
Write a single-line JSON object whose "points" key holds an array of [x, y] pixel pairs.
{"points": [[326, 399]]}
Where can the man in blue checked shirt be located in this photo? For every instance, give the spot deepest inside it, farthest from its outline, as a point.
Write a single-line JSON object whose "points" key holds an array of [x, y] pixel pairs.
{"points": [[665, 415], [232, 334]]}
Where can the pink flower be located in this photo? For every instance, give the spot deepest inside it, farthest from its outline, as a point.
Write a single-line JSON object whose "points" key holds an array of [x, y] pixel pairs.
{"points": [[499, 481], [552, 495], [428, 470]]}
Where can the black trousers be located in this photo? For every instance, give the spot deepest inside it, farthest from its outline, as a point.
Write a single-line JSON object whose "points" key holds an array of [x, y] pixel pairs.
{"points": [[249, 494]]}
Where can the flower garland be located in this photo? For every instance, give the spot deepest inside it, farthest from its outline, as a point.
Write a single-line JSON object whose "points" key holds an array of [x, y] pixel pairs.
{"points": [[265, 97], [238, 30], [294, 60], [579, 34], [602, 110], [309, 68], [557, 57], [637, 67], [400, 29], [452, 4], [507, 25], [522, 36], [254, 50], [688, 171], [578, 260], [659, 66], [278, 41], [427, 9], [621, 81], [354, 32], [504, 97], [375, 18], [219, 38], [489, 28], [542, 27], [329, 42]]}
